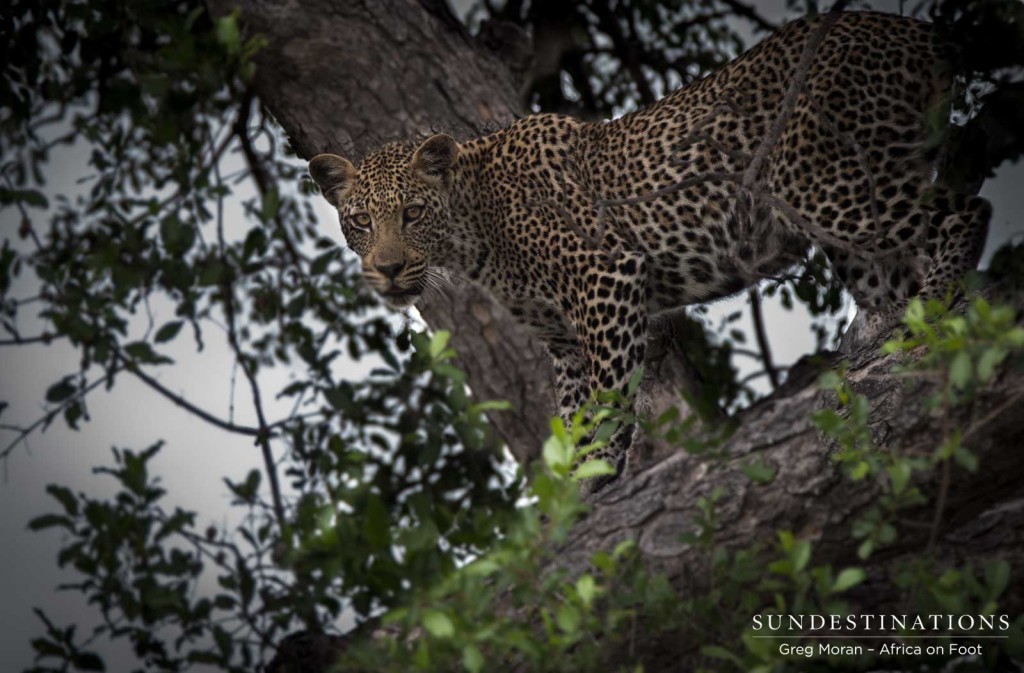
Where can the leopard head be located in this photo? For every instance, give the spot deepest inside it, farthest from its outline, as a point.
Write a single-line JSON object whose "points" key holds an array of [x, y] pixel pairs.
{"points": [[393, 211]]}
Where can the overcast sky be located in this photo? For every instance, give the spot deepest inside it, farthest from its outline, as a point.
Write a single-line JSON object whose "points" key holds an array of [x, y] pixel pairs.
{"points": [[196, 458]]}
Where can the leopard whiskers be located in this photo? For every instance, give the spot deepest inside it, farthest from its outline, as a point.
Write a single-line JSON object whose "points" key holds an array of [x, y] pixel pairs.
{"points": [[434, 282]]}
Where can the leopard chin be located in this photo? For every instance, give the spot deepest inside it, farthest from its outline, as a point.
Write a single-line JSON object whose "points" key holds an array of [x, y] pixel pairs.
{"points": [[401, 299]]}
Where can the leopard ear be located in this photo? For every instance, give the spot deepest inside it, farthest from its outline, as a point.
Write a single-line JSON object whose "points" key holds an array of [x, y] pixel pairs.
{"points": [[433, 161], [333, 174]]}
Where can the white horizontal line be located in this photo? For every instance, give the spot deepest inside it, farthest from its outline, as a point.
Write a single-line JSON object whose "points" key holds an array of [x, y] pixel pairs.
{"points": [[960, 635]]}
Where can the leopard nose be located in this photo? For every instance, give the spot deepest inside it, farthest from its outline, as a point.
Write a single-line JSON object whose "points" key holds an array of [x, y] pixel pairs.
{"points": [[390, 271]]}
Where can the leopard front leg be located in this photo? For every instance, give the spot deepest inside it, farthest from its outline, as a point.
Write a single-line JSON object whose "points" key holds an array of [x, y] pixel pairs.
{"points": [[596, 337], [609, 316]]}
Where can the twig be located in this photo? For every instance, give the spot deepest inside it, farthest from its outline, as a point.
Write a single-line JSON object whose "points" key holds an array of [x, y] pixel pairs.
{"points": [[710, 141], [762, 338], [46, 418], [45, 338], [180, 401], [788, 104], [264, 184], [228, 292]]}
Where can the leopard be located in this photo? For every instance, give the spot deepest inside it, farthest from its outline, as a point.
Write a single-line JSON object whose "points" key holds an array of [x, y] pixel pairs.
{"points": [[588, 231]]}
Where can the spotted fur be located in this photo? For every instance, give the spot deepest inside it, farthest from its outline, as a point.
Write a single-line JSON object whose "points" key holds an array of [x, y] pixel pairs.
{"points": [[520, 211]]}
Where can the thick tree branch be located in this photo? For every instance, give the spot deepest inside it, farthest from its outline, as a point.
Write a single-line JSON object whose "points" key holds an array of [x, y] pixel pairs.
{"points": [[810, 496]]}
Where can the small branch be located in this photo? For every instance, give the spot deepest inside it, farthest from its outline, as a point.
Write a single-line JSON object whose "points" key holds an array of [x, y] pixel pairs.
{"points": [[44, 338], [788, 104], [762, 337], [264, 183], [228, 291], [180, 401], [48, 417]]}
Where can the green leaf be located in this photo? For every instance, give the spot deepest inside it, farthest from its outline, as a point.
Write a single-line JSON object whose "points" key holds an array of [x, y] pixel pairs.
{"points": [[623, 548], [492, 405], [168, 331], [176, 236], [377, 523], [989, 361], [50, 521], [228, 34], [271, 202], [143, 352], [997, 577], [60, 391], [65, 497], [829, 381], [319, 265], [451, 372], [827, 421], [472, 659], [801, 554], [29, 197], [72, 413], [899, 476], [860, 470], [586, 589], [849, 577], [555, 455], [568, 618], [592, 468], [719, 652], [438, 342], [481, 568], [759, 472], [437, 624], [960, 370], [634, 381], [246, 491], [966, 459], [87, 661], [914, 315]]}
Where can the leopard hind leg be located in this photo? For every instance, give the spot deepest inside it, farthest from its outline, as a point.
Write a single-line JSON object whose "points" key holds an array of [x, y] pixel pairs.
{"points": [[957, 228], [949, 238]]}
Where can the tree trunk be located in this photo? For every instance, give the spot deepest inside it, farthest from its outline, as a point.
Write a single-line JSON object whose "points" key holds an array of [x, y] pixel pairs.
{"points": [[346, 76]]}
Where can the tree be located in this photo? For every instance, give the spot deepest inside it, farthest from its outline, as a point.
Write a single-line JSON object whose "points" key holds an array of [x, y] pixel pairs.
{"points": [[404, 459]]}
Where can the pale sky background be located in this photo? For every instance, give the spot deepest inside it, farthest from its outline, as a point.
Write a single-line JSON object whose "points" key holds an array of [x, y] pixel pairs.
{"points": [[196, 458]]}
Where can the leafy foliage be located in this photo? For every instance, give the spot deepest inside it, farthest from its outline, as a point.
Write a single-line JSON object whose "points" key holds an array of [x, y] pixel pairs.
{"points": [[601, 58], [364, 528]]}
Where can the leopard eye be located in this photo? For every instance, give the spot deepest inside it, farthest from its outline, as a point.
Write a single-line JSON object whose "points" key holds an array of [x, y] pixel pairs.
{"points": [[412, 213], [361, 221]]}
